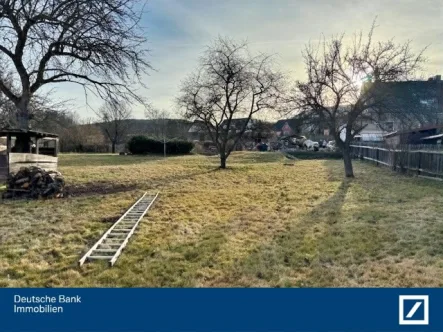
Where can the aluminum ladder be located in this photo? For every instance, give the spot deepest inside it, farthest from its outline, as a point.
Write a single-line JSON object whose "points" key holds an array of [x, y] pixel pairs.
{"points": [[111, 244]]}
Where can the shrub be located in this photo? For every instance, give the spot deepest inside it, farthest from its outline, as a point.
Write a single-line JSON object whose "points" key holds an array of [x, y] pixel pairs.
{"points": [[316, 154], [179, 147], [143, 144]]}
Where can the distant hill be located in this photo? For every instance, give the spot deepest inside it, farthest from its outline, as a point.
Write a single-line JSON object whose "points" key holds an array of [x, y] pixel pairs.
{"points": [[174, 128]]}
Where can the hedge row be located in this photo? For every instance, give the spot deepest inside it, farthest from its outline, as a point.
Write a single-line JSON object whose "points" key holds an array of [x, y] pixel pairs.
{"points": [[143, 144], [316, 154]]}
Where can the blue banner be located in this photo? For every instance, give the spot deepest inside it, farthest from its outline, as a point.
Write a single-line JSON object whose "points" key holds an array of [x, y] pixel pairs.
{"points": [[144, 309]]}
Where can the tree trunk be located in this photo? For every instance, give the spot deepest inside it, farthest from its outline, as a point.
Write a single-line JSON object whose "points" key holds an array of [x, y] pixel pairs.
{"points": [[23, 113], [223, 161], [349, 171], [113, 147], [22, 143]]}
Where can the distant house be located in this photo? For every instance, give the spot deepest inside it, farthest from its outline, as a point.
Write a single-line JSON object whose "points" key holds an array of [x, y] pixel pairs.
{"points": [[371, 133], [198, 131], [313, 127], [285, 127], [417, 103], [431, 134], [255, 132], [238, 124]]}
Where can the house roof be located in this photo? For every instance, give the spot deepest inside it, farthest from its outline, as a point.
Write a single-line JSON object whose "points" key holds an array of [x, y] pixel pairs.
{"points": [[278, 126], [31, 133], [237, 123], [412, 94], [423, 128], [197, 126], [432, 137]]}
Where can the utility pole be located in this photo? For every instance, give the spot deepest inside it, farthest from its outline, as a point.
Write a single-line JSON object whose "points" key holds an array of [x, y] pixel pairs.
{"points": [[164, 132]]}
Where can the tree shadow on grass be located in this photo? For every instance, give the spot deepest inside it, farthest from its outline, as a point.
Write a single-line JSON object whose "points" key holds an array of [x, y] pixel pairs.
{"points": [[331, 245], [386, 172], [255, 158], [297, 249]]}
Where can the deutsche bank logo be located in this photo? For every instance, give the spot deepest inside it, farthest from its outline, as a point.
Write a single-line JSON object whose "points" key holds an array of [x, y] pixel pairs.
{"points": [[414, 309]]}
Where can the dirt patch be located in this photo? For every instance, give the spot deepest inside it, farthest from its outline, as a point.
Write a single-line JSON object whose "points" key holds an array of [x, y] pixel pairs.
{"points": [[91, 189], [110, 220]]}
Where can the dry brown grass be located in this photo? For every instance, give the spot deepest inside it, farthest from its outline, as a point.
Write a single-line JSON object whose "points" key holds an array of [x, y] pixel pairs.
{"points": [[258, 223]]}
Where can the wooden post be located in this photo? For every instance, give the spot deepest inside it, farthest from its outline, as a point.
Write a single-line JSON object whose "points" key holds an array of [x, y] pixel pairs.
{"points": [[56, 148], [377, 156], [8, 143], [36, 146], [394, 154], [419, 163]]}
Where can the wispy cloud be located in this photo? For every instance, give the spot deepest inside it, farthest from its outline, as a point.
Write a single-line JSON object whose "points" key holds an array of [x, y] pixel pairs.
{"points": [[178, 31]]}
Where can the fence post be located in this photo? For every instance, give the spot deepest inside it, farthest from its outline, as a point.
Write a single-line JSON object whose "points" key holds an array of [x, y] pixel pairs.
{"points": [[394, 161], [377, 156], [419, 163]]}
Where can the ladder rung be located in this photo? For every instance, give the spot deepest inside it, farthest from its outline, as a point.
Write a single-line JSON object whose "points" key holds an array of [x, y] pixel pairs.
{"points": [[123, 229], [100, 257], [105, 250]]}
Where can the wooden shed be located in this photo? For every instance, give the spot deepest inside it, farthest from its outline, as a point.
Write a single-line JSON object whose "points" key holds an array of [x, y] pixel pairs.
{"points": [[41, 150]]}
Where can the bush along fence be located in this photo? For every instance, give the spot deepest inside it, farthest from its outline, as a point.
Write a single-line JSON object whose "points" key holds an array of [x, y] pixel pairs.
{"points": [[302, 154], [422, 160], [144, 145]]}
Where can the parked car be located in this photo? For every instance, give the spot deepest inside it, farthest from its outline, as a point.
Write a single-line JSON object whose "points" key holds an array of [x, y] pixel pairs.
{"points": [[323, 143], [331, 146], [262, 147], [310, 145]]}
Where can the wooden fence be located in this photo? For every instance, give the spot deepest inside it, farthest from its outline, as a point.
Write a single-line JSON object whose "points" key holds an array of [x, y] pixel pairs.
{"points": [[422, 160]]}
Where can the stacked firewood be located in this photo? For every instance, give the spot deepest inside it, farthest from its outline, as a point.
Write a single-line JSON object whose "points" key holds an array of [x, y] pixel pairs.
{"points": [[35, 182]]}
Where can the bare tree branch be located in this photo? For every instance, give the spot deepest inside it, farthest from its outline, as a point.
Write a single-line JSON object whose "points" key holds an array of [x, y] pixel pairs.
{"points": [[230, 84], [334, 91], [98, 44], [113, 116]]}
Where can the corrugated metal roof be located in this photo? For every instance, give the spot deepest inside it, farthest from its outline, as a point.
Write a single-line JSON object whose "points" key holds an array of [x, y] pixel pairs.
{"points": [[433, 137]]}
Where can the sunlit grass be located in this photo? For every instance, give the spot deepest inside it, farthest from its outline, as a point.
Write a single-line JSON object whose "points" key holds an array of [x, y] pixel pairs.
{"points": [[258, 223]]}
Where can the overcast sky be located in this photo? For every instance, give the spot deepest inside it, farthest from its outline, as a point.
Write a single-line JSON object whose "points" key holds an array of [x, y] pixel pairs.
{"points": [[178, 31]]}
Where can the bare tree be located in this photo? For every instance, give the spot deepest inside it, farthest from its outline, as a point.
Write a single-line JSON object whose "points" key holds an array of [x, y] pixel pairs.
{"points": [[160, 119], [114, 116], [44, 111], [95, 43], [229, 84], [335, 90]]}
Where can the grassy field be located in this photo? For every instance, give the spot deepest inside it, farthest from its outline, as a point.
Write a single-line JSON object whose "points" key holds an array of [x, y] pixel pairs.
{"points": [[259, 223]]}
